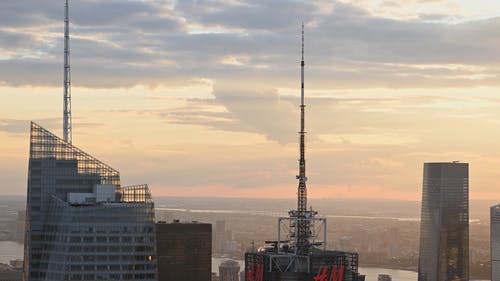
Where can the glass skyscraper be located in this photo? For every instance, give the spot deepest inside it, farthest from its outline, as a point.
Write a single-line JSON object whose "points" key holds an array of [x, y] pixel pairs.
{"points": [[495, 243], [444, 225], [81, 224]]}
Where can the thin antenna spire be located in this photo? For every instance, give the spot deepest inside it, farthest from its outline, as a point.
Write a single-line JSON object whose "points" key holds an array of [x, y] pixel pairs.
{"points": [[303, 224], [302, 68], [67, 127], [302, 41]]}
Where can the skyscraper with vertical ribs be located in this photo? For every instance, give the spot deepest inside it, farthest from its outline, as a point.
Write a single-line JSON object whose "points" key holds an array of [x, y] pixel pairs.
{"points": [[299, 252], [81, 224], [495, 242], [444, 223]]}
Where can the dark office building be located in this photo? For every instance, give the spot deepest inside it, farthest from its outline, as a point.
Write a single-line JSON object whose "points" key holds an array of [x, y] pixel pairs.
{"points": [[184, 251], [444, 227]]}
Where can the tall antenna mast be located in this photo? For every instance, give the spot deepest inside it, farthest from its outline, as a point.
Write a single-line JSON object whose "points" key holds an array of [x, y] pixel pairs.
{"points": [[67, 131], [303, 225]]}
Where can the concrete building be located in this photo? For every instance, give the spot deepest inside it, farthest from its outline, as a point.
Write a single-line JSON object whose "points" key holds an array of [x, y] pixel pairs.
{"points": [[184, 251], [229, 271], [444, 226], [495, 242], [81, 224]]}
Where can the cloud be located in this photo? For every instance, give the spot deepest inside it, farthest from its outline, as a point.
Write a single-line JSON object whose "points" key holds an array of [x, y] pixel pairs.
{"points": [[14, 126], [126, 43], [19, 126], [261, 111], [335, 117], [264, 15], [236, 109], [378, 92]]}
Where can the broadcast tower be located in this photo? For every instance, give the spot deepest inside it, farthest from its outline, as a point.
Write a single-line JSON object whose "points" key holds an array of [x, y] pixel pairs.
{"points": [[301, 253]]}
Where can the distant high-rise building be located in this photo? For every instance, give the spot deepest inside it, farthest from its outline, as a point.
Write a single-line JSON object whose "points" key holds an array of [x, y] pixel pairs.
{"points": [[80, 223], [219, 239], [222, 240], [184, 251], [495, 243], [384, 277], [17, 227], [229, 271], [444, 225], [345, 243]]}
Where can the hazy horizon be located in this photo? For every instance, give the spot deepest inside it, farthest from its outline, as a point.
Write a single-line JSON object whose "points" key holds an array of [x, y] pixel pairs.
{"points": [[389, 208], [288, 199]]}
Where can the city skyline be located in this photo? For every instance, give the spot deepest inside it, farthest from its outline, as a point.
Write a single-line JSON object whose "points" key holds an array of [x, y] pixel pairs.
{"points": [[201, 97]]}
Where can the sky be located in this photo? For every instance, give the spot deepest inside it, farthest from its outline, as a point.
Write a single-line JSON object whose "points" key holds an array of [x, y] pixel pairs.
{"points": [[200, 98]]}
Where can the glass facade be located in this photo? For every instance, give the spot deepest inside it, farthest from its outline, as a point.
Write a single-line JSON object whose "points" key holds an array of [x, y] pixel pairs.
{"points": [[444, 225], [87, 238], [495, 243]]}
